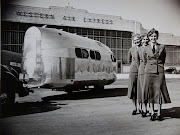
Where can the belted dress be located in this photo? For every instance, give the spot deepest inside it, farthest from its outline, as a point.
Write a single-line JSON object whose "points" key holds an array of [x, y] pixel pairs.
{"points": [[133, 73], [140, 82], [155, 89]]}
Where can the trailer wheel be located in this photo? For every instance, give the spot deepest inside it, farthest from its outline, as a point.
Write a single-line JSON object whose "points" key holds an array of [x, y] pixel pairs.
{"points": [[9, 85], [99, 88], [69, 91], [10, 98]]}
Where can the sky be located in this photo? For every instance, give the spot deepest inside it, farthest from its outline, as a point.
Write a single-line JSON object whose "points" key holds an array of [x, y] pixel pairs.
{"points": [[163, 15]]}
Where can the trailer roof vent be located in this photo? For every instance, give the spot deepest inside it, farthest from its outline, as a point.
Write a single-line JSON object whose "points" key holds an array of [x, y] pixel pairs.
{"points": [[99, 43]]}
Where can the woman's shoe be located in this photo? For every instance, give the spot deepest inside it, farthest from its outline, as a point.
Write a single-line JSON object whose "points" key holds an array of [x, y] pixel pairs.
{"points": [[144, 114], [159, 118], [134, 112], [153, 117]]}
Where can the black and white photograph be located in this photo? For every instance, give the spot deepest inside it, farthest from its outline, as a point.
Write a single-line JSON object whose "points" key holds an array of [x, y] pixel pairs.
{"points": [[90, 67]]}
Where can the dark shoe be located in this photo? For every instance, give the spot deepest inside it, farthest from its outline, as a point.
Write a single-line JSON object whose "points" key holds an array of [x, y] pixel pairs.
{"points": [[153, 117], [144, 114], [134, 112], [159, 118]]}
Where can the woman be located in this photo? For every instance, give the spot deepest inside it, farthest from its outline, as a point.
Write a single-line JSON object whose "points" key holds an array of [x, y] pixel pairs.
{"points": [[133, 73], [142, 63], [155, 90]]}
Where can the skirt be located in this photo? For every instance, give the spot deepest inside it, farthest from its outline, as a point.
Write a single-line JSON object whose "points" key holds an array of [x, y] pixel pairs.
{"points": [[140, 90], [155, 89], [132, 85]]}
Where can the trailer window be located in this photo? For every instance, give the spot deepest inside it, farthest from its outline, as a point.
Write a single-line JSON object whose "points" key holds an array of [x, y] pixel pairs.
{"points": [[85, 53], [113, 58], [95, 55], [78, 52], [98, 56], [92, 55]]}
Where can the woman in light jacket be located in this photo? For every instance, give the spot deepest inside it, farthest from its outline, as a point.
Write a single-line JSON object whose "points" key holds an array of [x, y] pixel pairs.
{"points": [[133, 73], [142, 63], [155, 90]]}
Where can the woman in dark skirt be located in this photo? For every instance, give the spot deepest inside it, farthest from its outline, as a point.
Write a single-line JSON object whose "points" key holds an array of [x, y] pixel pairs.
{"points": [[133, 73], [155, 90]]}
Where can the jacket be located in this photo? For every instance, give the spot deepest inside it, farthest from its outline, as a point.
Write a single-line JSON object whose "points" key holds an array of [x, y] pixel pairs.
{"points": [[142, 59], [156, 60], [133, 59]]}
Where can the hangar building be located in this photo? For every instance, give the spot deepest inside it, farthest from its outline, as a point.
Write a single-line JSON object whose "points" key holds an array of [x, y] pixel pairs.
{"points": [[111, 30]]}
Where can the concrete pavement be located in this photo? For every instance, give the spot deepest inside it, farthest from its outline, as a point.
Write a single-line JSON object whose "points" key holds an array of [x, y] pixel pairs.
{"points": [[88, 112]]}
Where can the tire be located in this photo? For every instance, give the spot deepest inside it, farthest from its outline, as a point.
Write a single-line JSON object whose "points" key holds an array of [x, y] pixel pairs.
{"points": [[68, 90], [9, 85], [99, 88], [7, 105], [10, 98]]}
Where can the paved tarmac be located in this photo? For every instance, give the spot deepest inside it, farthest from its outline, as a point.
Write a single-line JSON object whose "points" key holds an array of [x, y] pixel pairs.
{"points": [[48, 112]]}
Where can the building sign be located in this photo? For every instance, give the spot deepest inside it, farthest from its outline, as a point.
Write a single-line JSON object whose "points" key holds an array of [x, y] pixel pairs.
{"points": [[102, 21], [69, 18], [33, 14]]}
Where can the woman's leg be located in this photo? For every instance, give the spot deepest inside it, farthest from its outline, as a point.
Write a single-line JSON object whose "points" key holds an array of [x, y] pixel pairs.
{"points": [[159, 117], [144, 108], [149, 108], [153, 115], [140, 108], [152, 108], [159, 110], [135, 106]]}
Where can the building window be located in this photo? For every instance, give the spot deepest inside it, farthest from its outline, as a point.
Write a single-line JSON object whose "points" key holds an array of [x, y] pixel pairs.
{"points": [[126, 34], [72, 30], [172, 55], [84, 32], [113, 43], [96, 32], [90, 31], [119, 54], [124, 56]]}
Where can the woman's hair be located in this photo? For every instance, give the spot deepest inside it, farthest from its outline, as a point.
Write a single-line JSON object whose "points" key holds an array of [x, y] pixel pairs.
{"points": [[138, 36], [143, 35], [153, 31]]}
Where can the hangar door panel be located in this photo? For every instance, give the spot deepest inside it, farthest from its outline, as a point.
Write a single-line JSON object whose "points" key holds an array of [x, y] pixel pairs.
{"points": [[67, 68]]}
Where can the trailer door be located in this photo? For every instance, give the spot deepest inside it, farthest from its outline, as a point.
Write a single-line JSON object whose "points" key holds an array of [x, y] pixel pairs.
{"points": [[67, 68]]}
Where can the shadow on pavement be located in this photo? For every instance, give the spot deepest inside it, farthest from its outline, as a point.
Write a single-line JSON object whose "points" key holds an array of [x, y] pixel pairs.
{"points": [[17, 109], [171, 113], [89, 94]]}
